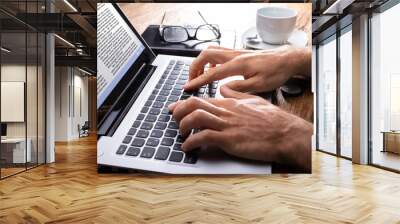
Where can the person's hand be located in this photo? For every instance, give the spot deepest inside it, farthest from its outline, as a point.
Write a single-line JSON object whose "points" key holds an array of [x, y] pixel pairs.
{"points": [[262, 70], [245, 126]]}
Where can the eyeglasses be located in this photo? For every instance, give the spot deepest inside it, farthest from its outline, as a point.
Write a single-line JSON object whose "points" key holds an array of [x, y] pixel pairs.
{"points": [[178, 34]]}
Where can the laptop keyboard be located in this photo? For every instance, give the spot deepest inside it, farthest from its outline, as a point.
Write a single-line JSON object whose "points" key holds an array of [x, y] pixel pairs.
{"points": [[155, 134]]}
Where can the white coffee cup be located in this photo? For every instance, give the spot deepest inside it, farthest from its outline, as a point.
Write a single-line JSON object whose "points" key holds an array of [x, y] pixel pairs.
{"points": [[275, 24]]}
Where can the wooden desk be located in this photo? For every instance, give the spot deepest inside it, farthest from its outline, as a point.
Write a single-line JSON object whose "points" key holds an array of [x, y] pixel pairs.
{"points": [[235, 16], [14, 150]]}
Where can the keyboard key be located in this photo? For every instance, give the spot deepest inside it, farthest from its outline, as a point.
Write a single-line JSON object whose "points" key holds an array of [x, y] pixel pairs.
{"points": [[184, 97], [180, 63], [152, 142], [160, 125], [152, 97], [167, 141], [173, 125], [168, 103], [147, 152], [178, 86], [136, 124], [167, 87], [154, 111], [138, 142], [140, 117], [162, 153], [170, 133], [158, 86], [133, 151], [175, 72], [161, 81], [156, 134], [180, 139], [144, 110], [132, 131], [184, 77], [148, 103], [127, 139], [157, 104], [190, 158], [165, 110], [173, 98], [164, 118], [176, 156], [176, 92], [151, 118], [155, 91], [164, 92], [182, 82], [146, 126], [178, 147], [142, 134], [121, 149], [172, 62], [169, 82], [173, 77], [161, 98]]}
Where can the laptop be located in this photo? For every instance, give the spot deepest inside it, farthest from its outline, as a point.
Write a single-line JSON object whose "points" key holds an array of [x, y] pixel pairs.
{"points": [[134, 88]]}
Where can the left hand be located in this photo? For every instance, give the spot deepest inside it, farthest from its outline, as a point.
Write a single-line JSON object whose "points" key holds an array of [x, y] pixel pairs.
{"points": [[245, 126]]}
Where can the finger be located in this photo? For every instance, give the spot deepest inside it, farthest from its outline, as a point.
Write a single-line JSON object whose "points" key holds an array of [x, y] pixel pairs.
{"points": [[200, 119], [227, 92], [228, 69], [205, 57], [246, 85], [219, 47], [212, 56], [203, 138], [194, 103]]}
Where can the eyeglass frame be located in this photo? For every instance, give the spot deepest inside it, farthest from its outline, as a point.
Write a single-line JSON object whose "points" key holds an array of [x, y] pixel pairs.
{"points": [[214, 27]]}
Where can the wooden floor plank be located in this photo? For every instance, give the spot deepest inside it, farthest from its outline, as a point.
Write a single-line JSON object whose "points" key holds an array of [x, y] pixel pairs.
{"points": [[71, 191]]}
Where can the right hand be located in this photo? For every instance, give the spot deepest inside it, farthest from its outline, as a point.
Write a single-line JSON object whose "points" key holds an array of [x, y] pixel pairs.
{"points": [[262, 70]]}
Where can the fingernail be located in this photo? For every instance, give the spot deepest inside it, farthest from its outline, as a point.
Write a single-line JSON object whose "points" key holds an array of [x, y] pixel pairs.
{"points": [[171, 106]]}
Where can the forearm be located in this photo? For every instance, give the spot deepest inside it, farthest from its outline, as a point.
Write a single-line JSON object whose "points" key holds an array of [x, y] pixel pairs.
{"points": [[299, 61]]}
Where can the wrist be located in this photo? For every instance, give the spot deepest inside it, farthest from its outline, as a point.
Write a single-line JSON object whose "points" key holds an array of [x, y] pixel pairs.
{"points": [[295, 147], [298, 61]]}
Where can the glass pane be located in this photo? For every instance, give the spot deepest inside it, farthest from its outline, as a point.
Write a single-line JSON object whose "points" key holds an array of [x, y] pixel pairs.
{"points": [[13, 87], [346, 94], [327, 97], [385, 84], [41, 98], [31, 99]]}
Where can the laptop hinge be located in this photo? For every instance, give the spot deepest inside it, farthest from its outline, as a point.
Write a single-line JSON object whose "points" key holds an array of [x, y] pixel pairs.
{"points": [[123, 103]]}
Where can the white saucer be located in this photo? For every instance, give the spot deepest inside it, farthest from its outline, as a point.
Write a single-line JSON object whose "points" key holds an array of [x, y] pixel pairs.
{"points": [[298, 38]]}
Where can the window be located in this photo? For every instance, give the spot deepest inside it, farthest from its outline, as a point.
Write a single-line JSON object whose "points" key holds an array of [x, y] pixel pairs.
{"points": [[385, 89], [346, 92], [326, 92]]}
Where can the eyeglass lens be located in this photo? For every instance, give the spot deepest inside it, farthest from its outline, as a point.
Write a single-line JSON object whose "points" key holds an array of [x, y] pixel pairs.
{"points": [[179, 34]]}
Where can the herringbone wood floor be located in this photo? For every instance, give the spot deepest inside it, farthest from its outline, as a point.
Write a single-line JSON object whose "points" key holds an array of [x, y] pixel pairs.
{"points": [[71, 191]]}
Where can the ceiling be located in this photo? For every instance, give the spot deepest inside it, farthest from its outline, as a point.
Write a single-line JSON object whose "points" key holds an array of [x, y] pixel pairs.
{"points": [[72, 20]]}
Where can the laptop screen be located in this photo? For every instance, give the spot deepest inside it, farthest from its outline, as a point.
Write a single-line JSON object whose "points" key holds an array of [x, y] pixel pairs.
{"points": [[118, 48]]}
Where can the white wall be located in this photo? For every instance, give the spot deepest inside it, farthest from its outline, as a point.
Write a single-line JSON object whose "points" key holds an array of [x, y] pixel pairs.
{"points": [[71, 87]]}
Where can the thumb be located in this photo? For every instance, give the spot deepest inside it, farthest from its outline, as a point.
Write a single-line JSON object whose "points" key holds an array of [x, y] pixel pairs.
{"points": [[227, 92]]}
